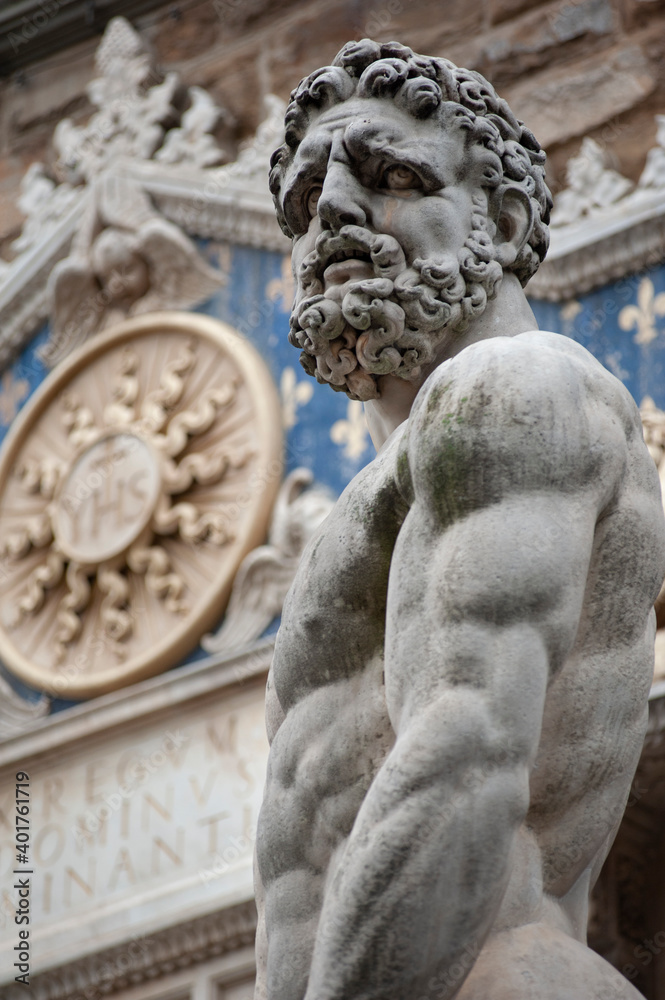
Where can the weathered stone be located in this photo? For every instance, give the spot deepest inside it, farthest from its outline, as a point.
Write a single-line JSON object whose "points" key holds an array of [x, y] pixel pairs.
{"points": [[48, 93], [521, 44], [552, 34], [570, 101], [639, 13], [175, 38], [232, 78], [502, 10], [422, 23], [299, 42], [456, 704]]}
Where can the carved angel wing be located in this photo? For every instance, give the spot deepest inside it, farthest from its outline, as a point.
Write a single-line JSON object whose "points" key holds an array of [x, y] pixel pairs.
{"points": [[122, 203], [77, 308], [265, 575], [179, 276], [261, 584]]}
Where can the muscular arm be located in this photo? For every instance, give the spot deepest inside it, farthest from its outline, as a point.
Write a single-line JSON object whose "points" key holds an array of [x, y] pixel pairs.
{"points": [[509, 463]]}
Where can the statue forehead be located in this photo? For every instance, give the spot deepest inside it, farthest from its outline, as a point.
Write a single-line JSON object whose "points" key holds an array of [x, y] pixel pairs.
{"points": [[377, 122], [374, 108]]}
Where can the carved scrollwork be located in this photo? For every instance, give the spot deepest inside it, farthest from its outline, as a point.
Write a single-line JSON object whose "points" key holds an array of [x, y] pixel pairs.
{"points": [[264, 578]]}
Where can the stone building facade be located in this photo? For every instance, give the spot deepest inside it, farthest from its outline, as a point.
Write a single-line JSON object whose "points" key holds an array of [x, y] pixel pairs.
{"points": [[137, 238]]}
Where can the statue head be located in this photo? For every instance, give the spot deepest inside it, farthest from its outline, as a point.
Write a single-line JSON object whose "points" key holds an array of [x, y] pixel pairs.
{"points": [[409, 187]]}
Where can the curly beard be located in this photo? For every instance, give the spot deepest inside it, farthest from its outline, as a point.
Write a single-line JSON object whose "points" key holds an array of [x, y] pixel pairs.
{"points": [[392, 323]]}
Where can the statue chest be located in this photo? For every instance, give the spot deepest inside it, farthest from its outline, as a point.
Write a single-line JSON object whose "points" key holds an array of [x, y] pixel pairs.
{"points": [[333, 621]]}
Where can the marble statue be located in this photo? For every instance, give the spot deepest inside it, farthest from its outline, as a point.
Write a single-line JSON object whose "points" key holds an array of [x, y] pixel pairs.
{"points": [[458, 695]]}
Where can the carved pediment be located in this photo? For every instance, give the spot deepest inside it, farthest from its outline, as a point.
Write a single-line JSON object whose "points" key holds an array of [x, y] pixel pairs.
{"points": [[150, 144], [603, 226], [108, 229]]}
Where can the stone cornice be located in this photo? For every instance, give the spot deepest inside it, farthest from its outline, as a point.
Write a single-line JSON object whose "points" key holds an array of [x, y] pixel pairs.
{"points": [[603, 226], [140, 702], [220, 204], [145, 958], [603, 247]]}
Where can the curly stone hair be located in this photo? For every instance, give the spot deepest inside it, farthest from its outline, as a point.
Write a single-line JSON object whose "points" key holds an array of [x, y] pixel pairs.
{"points": [[423, 85]]}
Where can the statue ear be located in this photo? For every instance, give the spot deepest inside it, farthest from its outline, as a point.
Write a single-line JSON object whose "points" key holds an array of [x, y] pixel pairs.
{"points": [[513, 225]]}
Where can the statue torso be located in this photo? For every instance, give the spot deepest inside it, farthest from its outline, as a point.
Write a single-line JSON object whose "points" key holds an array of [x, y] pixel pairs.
{"points": [[332, 730]]}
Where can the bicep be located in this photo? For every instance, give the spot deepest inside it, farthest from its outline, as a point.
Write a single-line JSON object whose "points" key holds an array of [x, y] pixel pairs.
{"points": [[481, 612], [513, 452]]}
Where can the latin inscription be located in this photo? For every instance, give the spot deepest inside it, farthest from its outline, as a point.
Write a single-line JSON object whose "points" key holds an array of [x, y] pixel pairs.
{"points": [[138, 812]]}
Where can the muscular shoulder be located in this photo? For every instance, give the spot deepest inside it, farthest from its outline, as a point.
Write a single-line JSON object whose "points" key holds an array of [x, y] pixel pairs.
{"points": [[527, 413]]}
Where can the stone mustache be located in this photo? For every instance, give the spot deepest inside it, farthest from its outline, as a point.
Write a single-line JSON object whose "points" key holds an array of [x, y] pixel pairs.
{"points": [[458, 695]]}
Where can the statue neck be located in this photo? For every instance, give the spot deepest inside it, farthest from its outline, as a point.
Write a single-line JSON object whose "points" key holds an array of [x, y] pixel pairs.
{"points": [[506, 315]]}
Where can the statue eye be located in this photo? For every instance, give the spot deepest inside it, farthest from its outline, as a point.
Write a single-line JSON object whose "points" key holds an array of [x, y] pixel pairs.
{"points": [[400, 178], [312, 200]]}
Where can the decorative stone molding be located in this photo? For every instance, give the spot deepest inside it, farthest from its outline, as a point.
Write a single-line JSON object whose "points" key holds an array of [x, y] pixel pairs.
{"points": [[170, 166], [592, 186], [107, 234], [603, 226], [118, 270], [231, 202], [144, 959], [197, 736], [264, 577]]}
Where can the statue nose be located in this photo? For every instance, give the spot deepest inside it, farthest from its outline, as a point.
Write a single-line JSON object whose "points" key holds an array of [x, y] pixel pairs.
{"points": [[342, 201]]}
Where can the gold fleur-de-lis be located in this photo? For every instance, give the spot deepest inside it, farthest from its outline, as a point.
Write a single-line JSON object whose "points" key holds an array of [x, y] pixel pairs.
{"points": [[352, 432], [12, 393], [642, 317], [282, 287], [294, 395], [570, 311]]}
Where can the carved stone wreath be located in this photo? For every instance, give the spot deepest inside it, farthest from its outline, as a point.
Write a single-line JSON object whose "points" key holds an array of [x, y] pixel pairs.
{"points": [[131, 487]]}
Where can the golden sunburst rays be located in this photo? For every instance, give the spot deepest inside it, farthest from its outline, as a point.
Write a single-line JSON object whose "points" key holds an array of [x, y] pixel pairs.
{"points": [[71, 607], [125, 391], [41, 476], [154, 562], [131, 481], [158, 403], [44, 577]]}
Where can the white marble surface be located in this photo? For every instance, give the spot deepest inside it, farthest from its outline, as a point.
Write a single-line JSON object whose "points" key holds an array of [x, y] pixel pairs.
{"points": [[178, 810]]}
